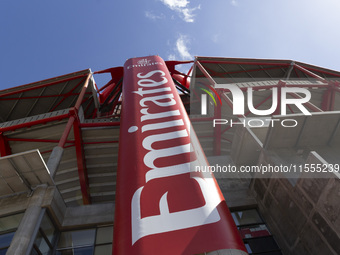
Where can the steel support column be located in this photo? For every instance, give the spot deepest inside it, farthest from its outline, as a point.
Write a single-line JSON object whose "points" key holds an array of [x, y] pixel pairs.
{"points": [[82, 170], [5, 149], [329, 97], [217, 132], [304, 70]]}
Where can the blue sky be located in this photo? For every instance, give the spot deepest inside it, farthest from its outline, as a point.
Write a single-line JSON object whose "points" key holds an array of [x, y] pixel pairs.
{"points": [[43, 38]]}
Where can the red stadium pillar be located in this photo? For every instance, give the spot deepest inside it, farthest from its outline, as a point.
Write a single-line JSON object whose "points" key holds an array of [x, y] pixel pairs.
{"points": [[161, 206]]}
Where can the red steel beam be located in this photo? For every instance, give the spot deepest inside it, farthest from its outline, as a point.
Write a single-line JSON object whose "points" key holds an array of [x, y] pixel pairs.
{"points": [[102, 142], [290, 108], [296, 72], [74, 123], [311, 73], [64, 97], [5, 149], [40, 86], [259, 104], [100, 124], [82, 93], [244, 63], [46, 96], [67, 131], [33, 123], [82, 169], [286, 85], [36, 140], [324, 72], [205, 73], [331, 108], [327, 98], [217, 131], [65, 147], [308, 104]]}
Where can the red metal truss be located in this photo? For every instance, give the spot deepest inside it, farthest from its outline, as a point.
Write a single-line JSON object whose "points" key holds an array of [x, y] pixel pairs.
{"points": [[5, 149], [74, 123], [82, 169], [217, 132], [35, 122], [68, 94], [36, 140], [259, 104], [45, 83], [323, 71], [308, 104], [239, 62], [329, 97], [179, 76], [205, 73], [307, 70], [309, 73]]}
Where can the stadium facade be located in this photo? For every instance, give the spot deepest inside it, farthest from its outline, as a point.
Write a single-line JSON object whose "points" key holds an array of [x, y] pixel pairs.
{"points": [[113, 170]]}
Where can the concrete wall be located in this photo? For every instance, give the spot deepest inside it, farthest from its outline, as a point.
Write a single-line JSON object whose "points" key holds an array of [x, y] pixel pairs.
{"points": [[65, 218], [305, 217]]}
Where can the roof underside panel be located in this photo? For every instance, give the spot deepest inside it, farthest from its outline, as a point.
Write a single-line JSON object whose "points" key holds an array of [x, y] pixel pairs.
{"points": [[232, 68], [42, 97]]}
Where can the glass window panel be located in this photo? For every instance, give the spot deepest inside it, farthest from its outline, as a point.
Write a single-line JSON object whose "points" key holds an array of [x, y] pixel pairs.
{"points": [[65, 252], [77, 238], [246, 217], [3, 252], [104, 235], [48, 228], [78, 251], [103, 250], [10, 222], [263, 244], [84, 251], [6, 239], [34, 251], [42, 244]]}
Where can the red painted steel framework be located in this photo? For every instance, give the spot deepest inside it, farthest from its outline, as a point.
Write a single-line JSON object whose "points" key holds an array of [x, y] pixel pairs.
{"points": [[110, 103], [331, 88], [110, 100]]}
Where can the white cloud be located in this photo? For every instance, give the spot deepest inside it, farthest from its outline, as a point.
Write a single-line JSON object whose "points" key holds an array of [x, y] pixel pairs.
{"points": [[234, 2], [176, 3], [172, 57], [182, 48], [182, 7], [216, 38], [153, 16]]}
